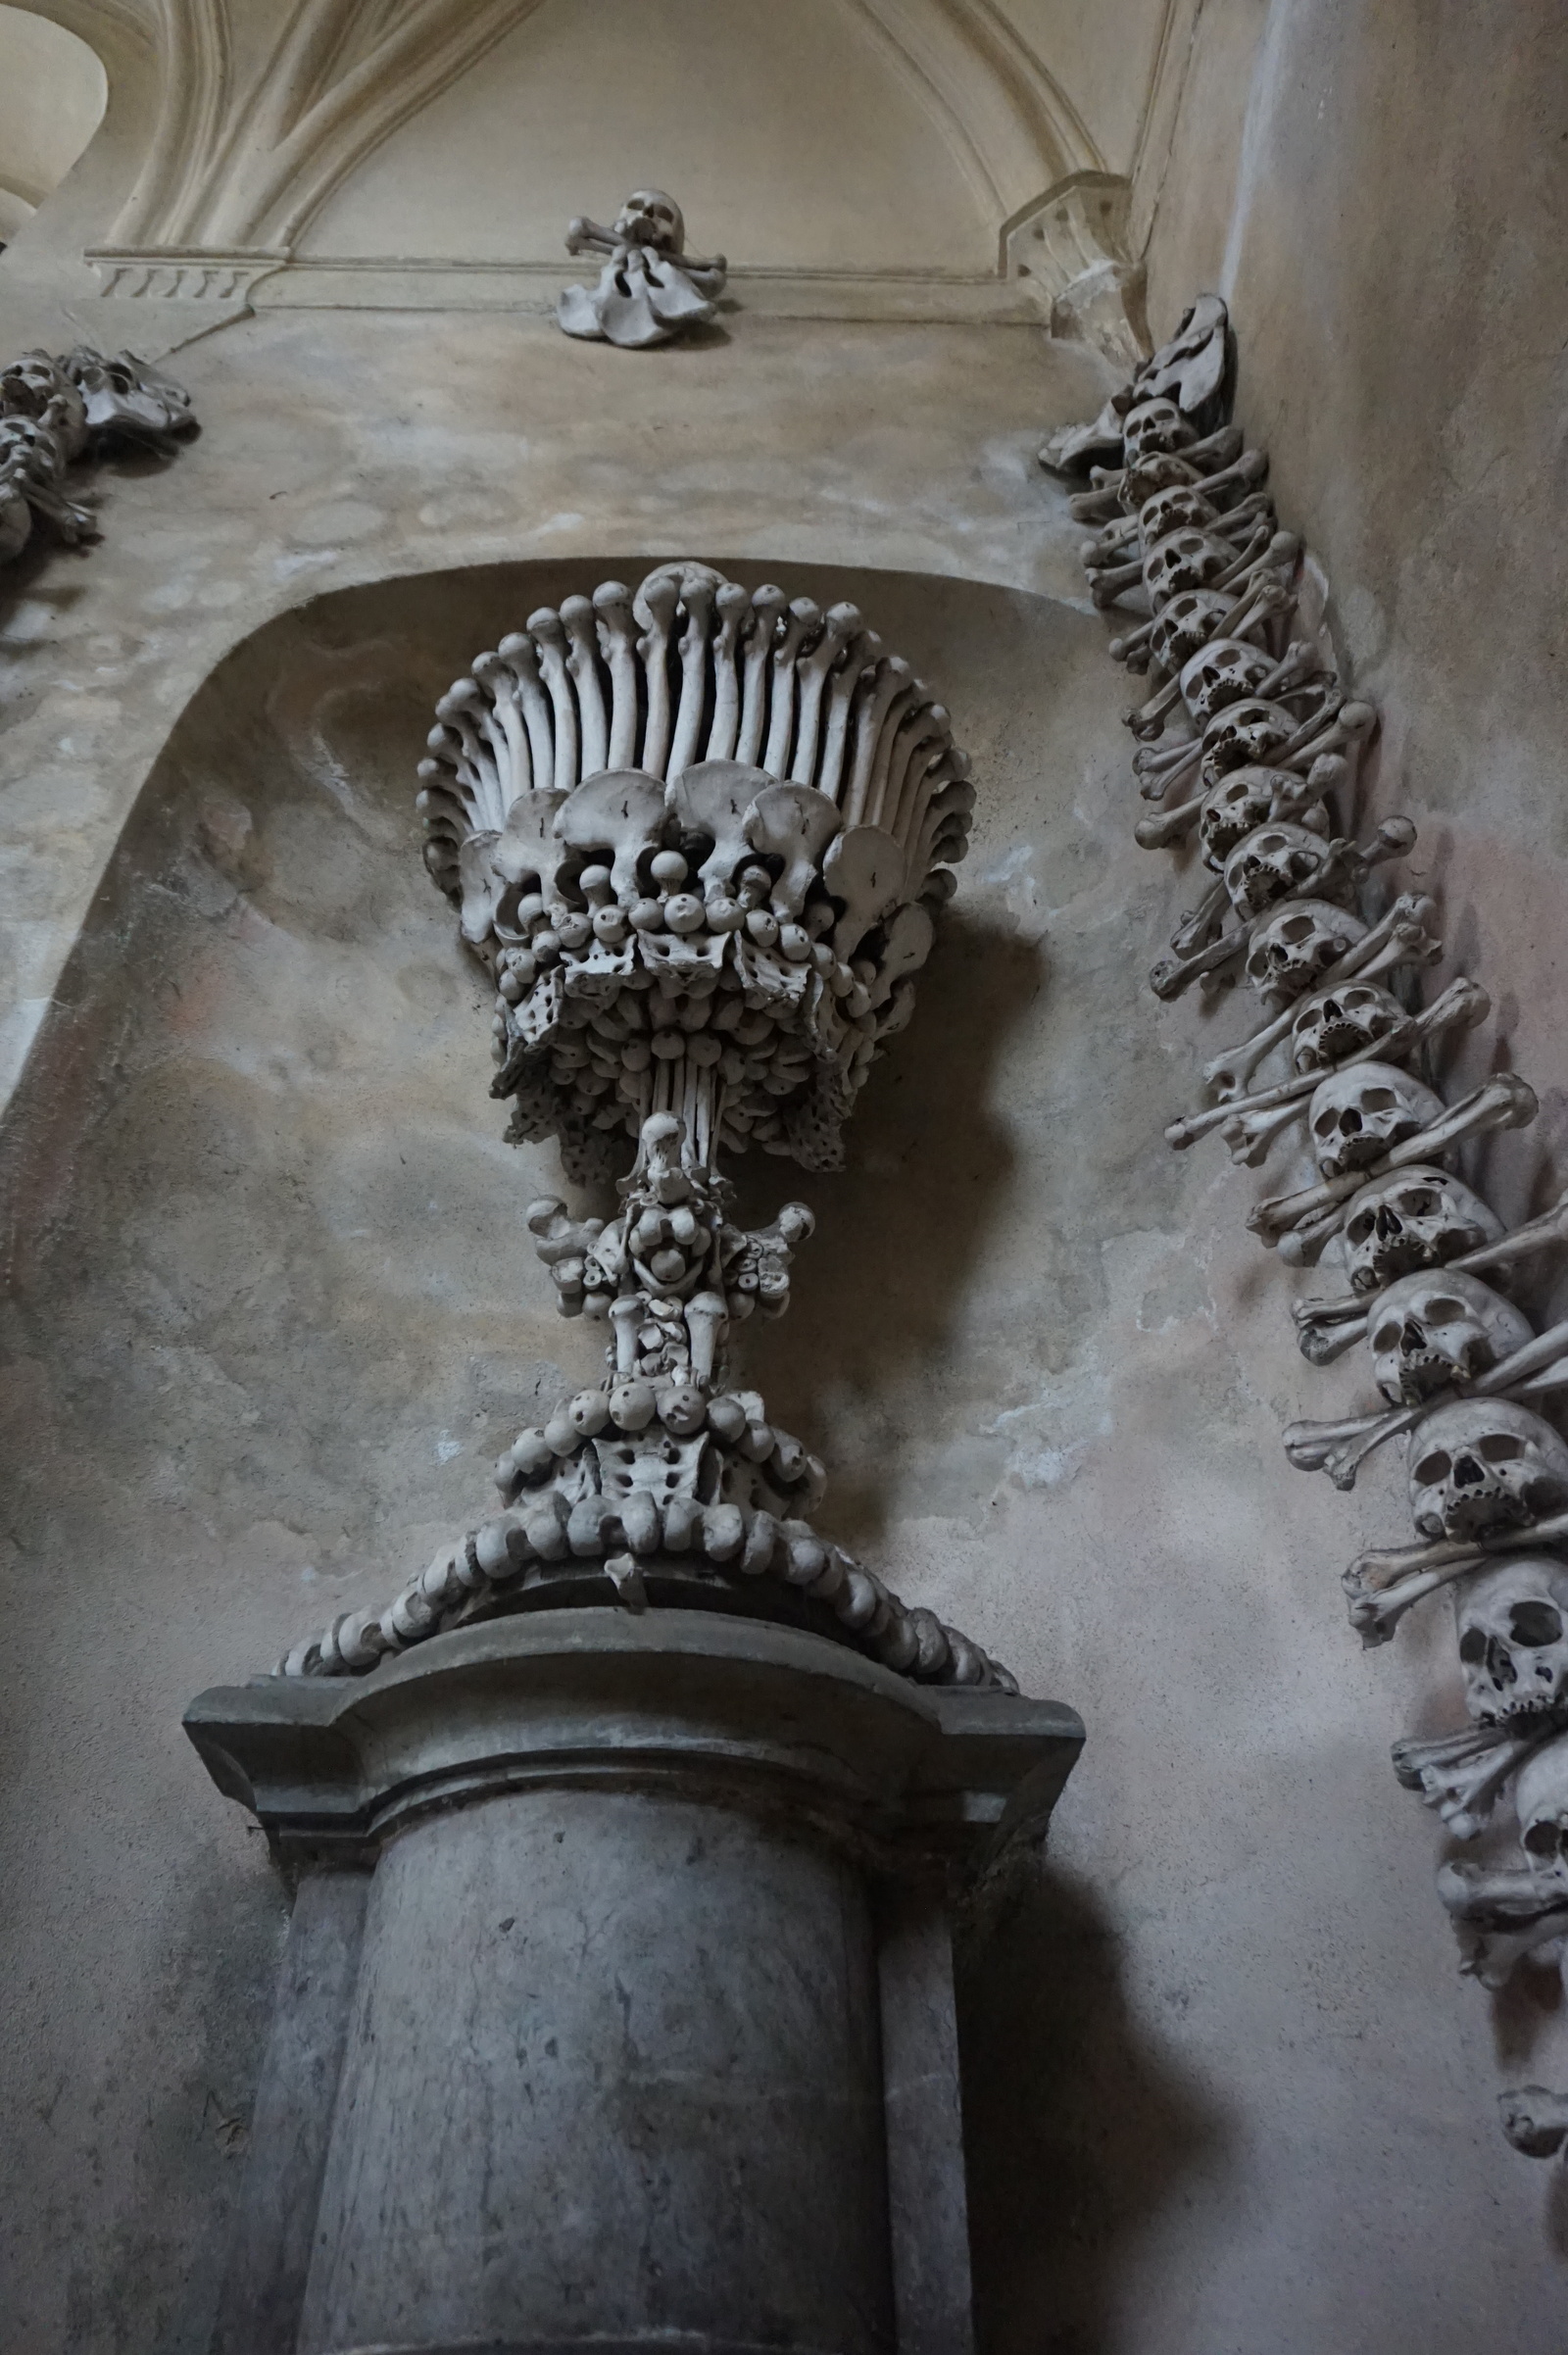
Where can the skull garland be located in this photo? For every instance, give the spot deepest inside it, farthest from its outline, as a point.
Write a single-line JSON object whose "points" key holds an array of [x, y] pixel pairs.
{"points": [[1272, 746], [698, 836], [649, 288]]}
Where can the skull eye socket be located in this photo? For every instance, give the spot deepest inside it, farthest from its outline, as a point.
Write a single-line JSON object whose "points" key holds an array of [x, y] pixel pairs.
{"points": [[1386, 1338], [1327, 1123], [1379, 1100], [1534, 1624], [1444, 1312], [1418, 1202], [1501, 1448], [1298, 929], [1433, 1468], [1473, 1647], [1361, 1227]]}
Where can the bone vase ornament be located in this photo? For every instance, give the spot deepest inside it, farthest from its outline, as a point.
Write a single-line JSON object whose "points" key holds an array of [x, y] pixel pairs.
{"points": [[697, 839], [1248, 740], [649, 288]]}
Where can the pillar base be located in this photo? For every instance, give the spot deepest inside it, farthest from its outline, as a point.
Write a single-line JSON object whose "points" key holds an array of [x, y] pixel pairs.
{"points": [[648, 2042]]}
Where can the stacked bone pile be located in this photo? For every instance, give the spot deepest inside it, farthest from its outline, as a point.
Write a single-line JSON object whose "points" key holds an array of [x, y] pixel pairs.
{"points": [[697, 837], [1247, 746], [57, 415]]}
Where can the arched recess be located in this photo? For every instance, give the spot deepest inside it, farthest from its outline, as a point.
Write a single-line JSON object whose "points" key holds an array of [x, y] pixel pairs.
{"points": [[53, 92], [271, 123]]}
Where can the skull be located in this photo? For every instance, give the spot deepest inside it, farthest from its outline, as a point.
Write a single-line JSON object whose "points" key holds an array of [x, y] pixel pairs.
{"points": [[651, 217], [1187, 623], [1418, 1217], [1347, 1021], [1248, 797], [1513, 1646], [1540, 1789], [1156, 471], [1295, 949], [1153, 427], [1226, 670], [37, 386], [1169, 510], [1243, 734], [1430, 1331], [1357, 1117], [1272, 864], [1485, 1464], [1185, 559]]}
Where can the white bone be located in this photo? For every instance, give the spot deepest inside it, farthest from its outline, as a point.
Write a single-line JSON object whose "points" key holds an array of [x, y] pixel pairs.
{"points": [[733, 606], [621, 810], [767, 603], [658, 595], [548, 635], [794, 823], [1535, 2120], [875, 695], [577, 619], [803, 619], [860, 653], [865, 868], [698, 595], [1399, 937], [839, 625], [521, 656], [714, 797], [1462, 1775], [617, 640]]}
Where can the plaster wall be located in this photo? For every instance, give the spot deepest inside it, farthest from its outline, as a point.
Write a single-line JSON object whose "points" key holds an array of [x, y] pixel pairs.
{"points": [[1226, 2090]]}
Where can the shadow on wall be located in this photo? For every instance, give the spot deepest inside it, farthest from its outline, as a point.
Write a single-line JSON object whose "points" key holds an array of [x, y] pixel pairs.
{"points": [[1078, 2132]]}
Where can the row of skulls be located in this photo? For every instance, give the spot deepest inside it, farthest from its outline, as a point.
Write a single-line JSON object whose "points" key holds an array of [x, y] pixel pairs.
{"points": [[1263, 750], [55, 413]]}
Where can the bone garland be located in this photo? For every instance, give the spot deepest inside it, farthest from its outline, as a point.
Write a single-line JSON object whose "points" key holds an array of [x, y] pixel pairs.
{"points": [[699, 950], [649, 288], [55, 413], [1268, 744]]}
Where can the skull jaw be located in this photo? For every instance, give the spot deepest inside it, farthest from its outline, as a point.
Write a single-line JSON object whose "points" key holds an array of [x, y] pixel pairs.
{"points": [[1404, 1254], [1488, 1508], [1425, 1372]]}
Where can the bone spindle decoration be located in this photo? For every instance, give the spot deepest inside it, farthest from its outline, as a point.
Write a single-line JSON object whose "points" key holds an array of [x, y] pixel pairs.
{"points": [[1250, 742], [649, 289], [692, 952]]}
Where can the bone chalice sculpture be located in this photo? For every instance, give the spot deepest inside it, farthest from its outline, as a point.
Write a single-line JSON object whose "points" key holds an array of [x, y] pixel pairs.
{"points": [[649, 289], [697, 836]]}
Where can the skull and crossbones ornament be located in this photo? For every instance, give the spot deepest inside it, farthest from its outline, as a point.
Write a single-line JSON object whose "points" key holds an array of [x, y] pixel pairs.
{"points": [[1481, 1465]]}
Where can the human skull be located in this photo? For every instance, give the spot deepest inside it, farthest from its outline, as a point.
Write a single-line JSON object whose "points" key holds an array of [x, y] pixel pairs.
{"points": [[1343, 1022], [1185, 559], [1416, 1217], [1485, 1464], [1297, 947], [1182, 503], [1153, 427], [1156, 471], [1224, 672], [1248, 797], [1540, 1788], [651, 217], [1513, 1645], [37, 386], [1431, 1330], [1273, 863], [1185, 624], [1244, 734], [1357, 1117]]}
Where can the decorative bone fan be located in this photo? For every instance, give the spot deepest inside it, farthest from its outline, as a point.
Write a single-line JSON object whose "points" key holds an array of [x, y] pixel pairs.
{"points": [[1342, 1063], [697, 836]]}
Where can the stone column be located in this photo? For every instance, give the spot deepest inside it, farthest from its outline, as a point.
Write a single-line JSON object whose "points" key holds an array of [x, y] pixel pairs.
{"points": [[650, 2036]]}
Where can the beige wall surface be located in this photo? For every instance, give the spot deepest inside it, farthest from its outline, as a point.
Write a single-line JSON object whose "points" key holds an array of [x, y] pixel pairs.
{"points": [[805, 142], [269, 1315]]}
